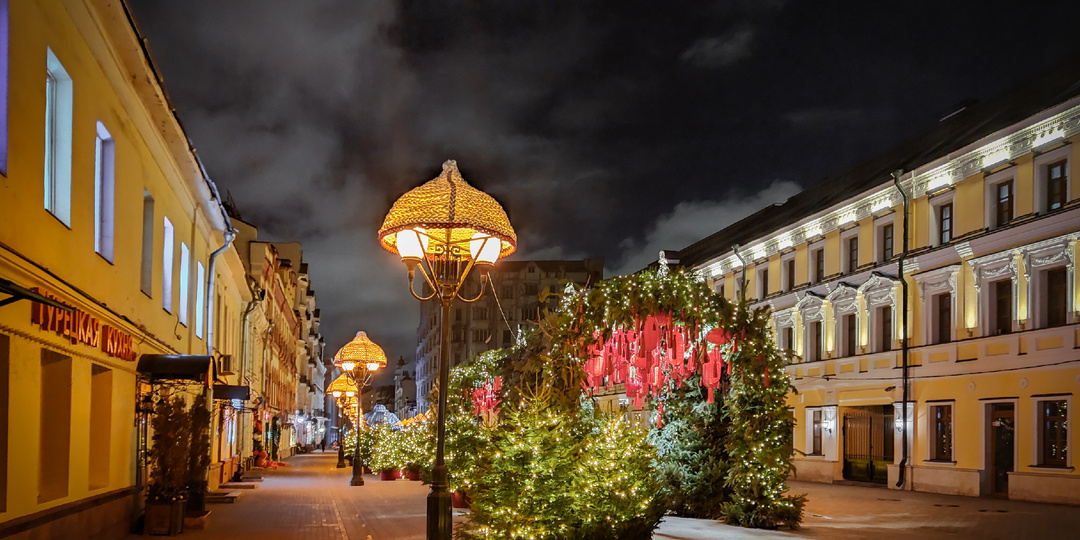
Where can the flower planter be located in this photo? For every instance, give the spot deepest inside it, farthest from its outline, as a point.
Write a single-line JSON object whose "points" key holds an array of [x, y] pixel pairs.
{"points": [[164, 517], [413, 474], [389, 474], [367, 470], [458, 499]]}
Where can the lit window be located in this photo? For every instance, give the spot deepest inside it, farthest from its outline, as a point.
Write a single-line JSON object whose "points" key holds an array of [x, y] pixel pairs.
{"points": [[58, 122], [941, 432], [1054, 433], [104, 198], [185, 278], [200, 300], [167, 266]]}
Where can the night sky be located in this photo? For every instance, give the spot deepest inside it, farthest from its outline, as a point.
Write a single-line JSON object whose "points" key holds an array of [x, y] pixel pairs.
{"points": [[610, 129]]}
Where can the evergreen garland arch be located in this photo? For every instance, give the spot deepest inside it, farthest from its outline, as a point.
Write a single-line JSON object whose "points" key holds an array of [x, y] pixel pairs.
{"points": [[722, 440]]}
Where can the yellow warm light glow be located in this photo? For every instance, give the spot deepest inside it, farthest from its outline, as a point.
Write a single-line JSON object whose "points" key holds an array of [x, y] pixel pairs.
{"points": [[412, 243], [348, 366], [350, 393], [484, 248], [372, 366], [337, 393], [360, 350]]}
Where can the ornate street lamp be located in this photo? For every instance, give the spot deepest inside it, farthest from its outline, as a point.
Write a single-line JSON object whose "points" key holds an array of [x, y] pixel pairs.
{"points": [[444, 228], [359, 359]]}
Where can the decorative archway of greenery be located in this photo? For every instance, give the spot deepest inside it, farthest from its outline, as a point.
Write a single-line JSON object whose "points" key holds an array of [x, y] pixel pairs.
{"points": [[663, 336]]}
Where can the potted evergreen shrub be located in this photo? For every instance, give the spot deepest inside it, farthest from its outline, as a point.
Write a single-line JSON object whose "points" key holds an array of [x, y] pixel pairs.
{"points": [[386, 454], [169, 460]]}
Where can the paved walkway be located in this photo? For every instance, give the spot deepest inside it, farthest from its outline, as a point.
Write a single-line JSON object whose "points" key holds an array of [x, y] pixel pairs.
{"points": [[311, 500]]}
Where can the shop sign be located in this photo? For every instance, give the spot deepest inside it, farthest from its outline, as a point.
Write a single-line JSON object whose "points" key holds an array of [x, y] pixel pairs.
{"points": [[80, 327]]}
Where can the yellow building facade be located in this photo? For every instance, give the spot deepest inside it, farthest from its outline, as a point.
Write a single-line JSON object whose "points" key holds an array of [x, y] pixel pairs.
{"points": [[105, 208], [993, 364]]}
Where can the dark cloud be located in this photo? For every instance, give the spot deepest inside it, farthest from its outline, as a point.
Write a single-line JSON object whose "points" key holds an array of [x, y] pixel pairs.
{"points": [[610, 130]]}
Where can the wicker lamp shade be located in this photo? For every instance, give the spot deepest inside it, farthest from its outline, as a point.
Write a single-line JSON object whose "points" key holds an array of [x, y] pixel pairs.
{"points": [[361, 351], [447, 206], [342, 384]]}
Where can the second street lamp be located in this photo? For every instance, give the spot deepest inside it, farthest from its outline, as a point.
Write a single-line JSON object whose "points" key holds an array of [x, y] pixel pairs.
{"points": [[444, 228], [359, 359]]}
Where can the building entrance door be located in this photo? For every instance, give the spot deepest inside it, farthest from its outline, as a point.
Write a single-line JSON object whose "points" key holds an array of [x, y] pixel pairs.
{"points": [[1001, 443], [868, 444]]}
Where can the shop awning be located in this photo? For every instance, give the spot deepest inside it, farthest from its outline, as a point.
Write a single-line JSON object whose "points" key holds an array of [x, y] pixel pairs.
{"points": [[18, 292], [231, 391], [175, 367]]}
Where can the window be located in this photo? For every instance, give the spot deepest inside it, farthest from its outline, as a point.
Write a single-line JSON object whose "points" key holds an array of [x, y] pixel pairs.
{"points": [[789, 277], [941, 432], [885, 328], [942, 318], [480, 335], [850, 333], [530, 289], [457, 314], [1056, 186], [185, 278], [3, 110], [1053, 433], [1003, 205], [789, 338], [887, 242], [457, 334], [818, 258], [1001, 303], [480, 313], [815, 445], [1056, 297], [167, 267], [101, 387], [104, 198], [507, 291], [200, 298], [508, 337], [945, 223], [58, 125], [146, 277], [813, 341], [763, 282], [55, 449], [852, 253]]}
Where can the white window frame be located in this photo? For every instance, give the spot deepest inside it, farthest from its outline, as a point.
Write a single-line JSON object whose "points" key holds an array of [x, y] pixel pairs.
{"points": [[879, 238], [936, 202], [59, 121], [104, 192], [809, 444], [185, 283], [811, 309], [784, 319], [1039, 258], [879, 291], [167, 254], [933, 283], [811, 262], [785, 260], [989, 269], [845, 301], [992, 182], [1039, 435], [200, 297], [845, 252], [1042, 176], [931, 433]]}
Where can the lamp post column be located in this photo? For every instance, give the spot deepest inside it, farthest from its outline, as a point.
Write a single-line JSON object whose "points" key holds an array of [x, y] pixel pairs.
{"points": [[440, 524], [357, 466], [340, 438]]}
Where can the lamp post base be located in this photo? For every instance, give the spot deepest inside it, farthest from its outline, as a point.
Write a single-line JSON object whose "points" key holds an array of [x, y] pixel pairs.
{"points": [[357, 472], [440, 524]]}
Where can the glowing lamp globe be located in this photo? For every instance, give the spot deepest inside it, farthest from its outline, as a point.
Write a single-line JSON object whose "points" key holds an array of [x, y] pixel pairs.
{"points": [[348, 365], [349, 393], [360, 351], [337, 393], [412, 243], [484, 248], [372, 366]]}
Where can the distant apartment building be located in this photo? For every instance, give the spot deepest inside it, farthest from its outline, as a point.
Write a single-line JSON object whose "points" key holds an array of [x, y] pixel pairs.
{"points": [[518, 294]]}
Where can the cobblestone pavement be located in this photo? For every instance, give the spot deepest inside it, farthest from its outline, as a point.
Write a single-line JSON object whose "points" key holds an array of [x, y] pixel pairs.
{"points": [[311, 499]]}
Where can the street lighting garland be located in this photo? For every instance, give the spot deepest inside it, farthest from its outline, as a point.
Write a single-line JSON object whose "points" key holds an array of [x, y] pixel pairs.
{"points": [[444, 228]]}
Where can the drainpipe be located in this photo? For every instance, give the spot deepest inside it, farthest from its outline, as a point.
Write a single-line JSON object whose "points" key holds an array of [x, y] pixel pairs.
{"points": [[742, 280], [904, 340], [230, 234]]}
